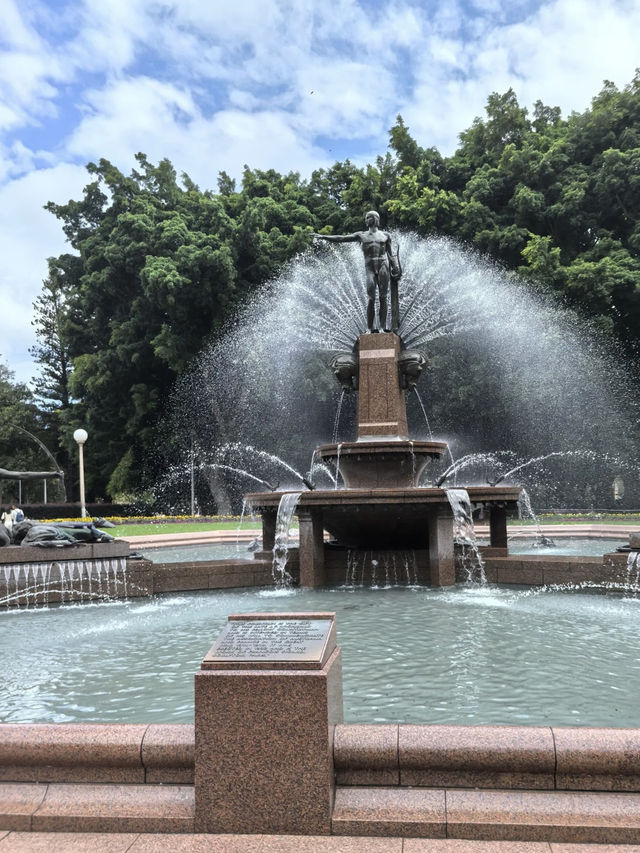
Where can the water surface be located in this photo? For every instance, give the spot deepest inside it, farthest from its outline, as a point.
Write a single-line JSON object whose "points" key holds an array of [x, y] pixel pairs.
{"points": [[460, 656]]}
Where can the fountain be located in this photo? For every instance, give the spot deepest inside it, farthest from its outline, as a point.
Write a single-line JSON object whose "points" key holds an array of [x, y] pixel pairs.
{"points": [[509, 375], [382, 508], [387, 529]]}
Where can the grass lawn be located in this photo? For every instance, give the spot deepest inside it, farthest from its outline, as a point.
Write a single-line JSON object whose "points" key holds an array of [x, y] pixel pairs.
{"points": [[159, 527], [587, 518]]}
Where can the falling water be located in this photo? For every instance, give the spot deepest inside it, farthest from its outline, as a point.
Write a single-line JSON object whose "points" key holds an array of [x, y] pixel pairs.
{"points": [[286, 509], [381, 569], [31, 585], [336, 423], [424, 412], [339, 448], [525, 510], [465, 535], [550, 375], [633, 569]]}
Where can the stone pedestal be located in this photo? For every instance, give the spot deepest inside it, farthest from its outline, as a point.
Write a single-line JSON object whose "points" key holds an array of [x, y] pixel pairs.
{"points": [[381, 405], [441, 556], [265, 708], [498, 527], [311, 550], [269, 516]]}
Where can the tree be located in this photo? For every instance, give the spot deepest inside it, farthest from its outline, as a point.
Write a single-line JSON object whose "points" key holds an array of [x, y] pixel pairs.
{"points": [[21, 430]]}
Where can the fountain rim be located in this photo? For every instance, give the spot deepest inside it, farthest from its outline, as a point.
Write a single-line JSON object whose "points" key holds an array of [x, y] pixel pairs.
{"points": [[428, 495], [383, 444]]}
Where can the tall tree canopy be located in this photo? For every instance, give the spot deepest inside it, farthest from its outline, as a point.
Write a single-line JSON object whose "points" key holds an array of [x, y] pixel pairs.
{"points": [[158, 266]]}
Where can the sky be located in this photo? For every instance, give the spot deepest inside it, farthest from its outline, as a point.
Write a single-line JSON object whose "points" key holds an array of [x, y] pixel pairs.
{"points": [[292, 85]]}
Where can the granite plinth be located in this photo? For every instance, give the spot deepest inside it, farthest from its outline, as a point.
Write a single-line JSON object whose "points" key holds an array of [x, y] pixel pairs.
{"points": [[381, 405], [263, 738]]}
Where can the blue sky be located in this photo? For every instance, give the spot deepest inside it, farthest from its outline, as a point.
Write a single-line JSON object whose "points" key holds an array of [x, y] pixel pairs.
{"points": [[283, 84]]}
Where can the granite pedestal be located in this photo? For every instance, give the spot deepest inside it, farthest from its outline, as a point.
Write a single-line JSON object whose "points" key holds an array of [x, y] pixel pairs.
{"points": [[267, 699]]}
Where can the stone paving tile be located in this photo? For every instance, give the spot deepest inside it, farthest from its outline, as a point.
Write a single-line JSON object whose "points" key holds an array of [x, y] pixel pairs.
{"points": [[116, 808], [592, 848], [18, 802], [452, 845], [196, 843], [328, 844], [67, 842]]}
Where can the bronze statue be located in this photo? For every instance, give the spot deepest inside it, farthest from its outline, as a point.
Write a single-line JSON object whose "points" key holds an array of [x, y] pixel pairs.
{"points": [[381, 269]]}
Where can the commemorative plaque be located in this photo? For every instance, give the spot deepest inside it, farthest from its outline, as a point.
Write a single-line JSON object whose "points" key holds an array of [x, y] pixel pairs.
{"points": [[281, 641]]}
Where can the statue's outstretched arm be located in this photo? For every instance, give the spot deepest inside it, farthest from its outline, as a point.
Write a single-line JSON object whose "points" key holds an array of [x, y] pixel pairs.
{"points": [[339, 238]]}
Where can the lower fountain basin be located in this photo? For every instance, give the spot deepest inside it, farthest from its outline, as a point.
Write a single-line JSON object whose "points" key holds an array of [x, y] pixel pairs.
{"points": [[384, 518], [384, 464], [465, 656]]}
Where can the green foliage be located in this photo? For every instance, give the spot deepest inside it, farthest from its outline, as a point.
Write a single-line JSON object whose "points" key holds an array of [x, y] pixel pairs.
{"points": [[160, 266], [22, 427]]}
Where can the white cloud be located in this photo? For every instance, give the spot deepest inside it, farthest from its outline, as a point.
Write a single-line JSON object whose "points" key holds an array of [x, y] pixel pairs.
{"points": [[126, 115], [559, 54], [28, 236], [213, 85]]}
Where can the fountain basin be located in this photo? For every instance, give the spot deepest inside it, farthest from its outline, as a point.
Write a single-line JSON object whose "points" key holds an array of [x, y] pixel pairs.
{"points": [[382, 464], [461, 656], [383, 518], [374, 519]]}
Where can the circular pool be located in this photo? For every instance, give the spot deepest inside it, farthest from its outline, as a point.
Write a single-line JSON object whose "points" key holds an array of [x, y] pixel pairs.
{"points": [[464, 655]]}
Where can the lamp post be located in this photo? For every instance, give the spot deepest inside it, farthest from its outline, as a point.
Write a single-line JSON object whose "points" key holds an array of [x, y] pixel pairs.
{"points": [[80, 436]]}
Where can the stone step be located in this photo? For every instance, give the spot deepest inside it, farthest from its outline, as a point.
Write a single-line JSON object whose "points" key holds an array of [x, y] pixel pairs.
{"points": [[91, 842], [508, 815], [72, 807]]}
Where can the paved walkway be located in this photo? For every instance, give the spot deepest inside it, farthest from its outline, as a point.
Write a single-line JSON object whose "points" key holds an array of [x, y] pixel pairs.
{"points": [[619, 532], [93, 842]]}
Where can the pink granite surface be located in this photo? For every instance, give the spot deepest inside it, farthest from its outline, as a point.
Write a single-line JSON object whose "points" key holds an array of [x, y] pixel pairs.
{"points": [[18, 802], [78, 752], [366, 755], [263, 749], [604, 759], [476, 756], [454, 845], [544, 816], [197, 844], [115, 808], [168, 754], [67, 842], [390, 812], [329, 844], [594, 848]]}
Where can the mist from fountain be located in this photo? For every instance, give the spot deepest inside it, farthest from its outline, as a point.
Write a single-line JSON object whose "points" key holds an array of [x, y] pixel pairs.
{"points": [[508, 368]]}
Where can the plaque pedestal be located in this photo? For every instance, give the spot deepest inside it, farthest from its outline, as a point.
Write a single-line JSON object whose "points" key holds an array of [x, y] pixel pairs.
{"points": [[266, 700]]}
